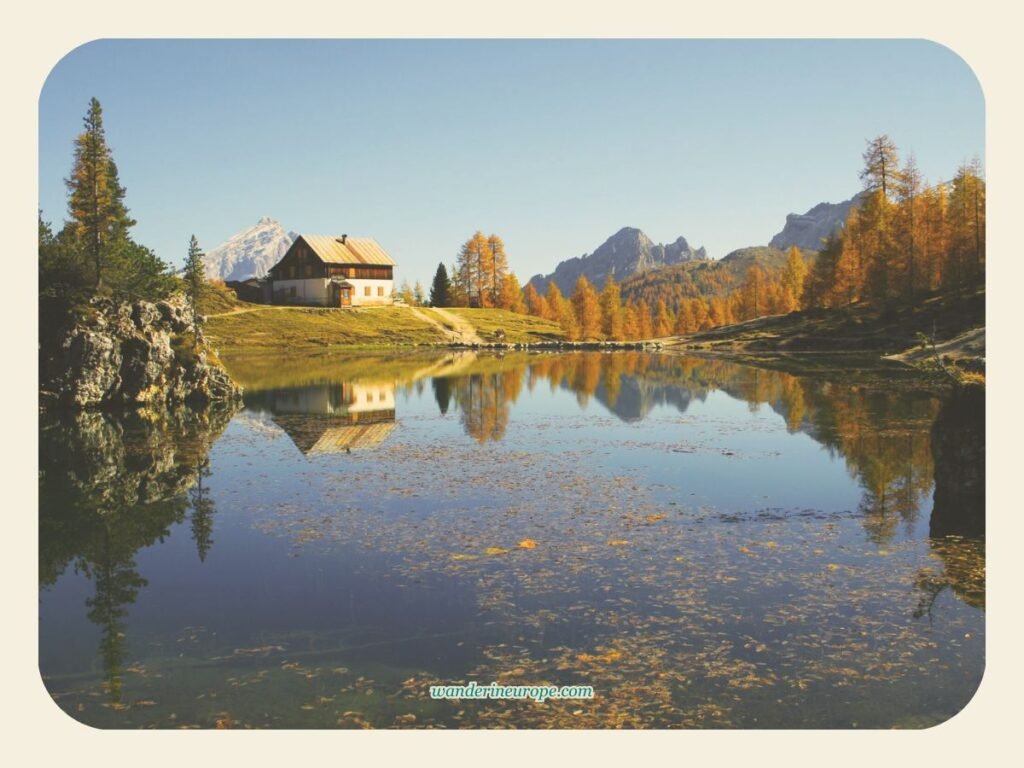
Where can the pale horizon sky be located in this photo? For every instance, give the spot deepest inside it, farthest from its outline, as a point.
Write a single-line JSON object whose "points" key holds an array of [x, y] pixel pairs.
{"points": [[554, 145]]}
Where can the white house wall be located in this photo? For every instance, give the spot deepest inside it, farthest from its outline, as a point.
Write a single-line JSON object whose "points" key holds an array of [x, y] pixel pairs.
{"points": [[309, 291], [359, 297], [316, 291]]}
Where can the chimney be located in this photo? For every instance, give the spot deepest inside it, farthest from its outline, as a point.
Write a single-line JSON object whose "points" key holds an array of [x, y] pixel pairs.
{"points": [[343, 239]]}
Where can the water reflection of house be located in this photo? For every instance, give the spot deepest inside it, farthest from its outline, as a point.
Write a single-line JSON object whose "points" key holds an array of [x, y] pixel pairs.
{"points": [[339, 417]]}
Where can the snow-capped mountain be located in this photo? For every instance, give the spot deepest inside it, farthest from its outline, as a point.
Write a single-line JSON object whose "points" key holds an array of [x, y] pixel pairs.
{"points": [[251, 252]]}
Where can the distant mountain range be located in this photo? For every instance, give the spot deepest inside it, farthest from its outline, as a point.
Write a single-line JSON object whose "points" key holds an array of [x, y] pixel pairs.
{"points": [[676, 271], [251, 252], [807, 230], [627, 253]]}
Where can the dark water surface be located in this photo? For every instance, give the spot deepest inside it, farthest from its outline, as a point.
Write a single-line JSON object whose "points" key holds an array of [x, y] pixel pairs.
{"points": [[707, 544]]}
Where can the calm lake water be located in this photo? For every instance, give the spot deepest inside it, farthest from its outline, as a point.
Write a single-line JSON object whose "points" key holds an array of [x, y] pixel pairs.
{"points": [[707, 544]]}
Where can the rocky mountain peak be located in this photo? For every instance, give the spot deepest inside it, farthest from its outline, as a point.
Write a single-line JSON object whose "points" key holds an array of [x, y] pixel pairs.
{"points": [[808, 230], [626, 253], [251, 252]]}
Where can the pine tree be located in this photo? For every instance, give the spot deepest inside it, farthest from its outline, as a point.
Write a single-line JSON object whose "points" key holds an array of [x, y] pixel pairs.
{"points": [[95, 196], [440, 289], [195, 280]]}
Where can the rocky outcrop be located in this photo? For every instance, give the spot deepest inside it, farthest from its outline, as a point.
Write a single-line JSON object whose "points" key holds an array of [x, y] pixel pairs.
{"points": [[807, 230], [627, 253], [130, 354]]}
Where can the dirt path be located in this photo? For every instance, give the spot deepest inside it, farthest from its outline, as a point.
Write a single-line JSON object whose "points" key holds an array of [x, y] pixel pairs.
{"points": [[464, 332], [454, 328], [243, 310]]}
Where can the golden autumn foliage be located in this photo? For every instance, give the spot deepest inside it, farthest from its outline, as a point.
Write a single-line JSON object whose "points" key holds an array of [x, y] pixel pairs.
{"points": [[904, 242]]}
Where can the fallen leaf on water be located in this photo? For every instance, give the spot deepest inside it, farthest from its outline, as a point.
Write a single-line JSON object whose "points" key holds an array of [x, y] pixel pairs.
{"points": [[527, 544], [495, 551], [464, 557], [655, 518], [617, 543]]}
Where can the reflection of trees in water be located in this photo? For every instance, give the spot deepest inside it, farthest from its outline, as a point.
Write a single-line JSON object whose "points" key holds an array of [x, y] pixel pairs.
{"points": [[110, 486], [442, 393], [485, 401], [958, 444], [202, 511], [962, 571], [882, 433]]}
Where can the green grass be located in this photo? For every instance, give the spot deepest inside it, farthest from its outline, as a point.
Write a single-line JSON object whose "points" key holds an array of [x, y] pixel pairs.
{"points": [[519, 329], [303, 328], [216, 298], [253, 328]]}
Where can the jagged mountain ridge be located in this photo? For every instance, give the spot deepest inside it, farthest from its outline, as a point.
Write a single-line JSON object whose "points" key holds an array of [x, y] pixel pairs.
{"points": [[627, 253], [251, 252], [807, 230]]}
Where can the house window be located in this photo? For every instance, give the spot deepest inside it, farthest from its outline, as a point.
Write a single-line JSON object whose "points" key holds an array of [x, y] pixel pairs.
{"points": [[366, 291], [380, 290]]}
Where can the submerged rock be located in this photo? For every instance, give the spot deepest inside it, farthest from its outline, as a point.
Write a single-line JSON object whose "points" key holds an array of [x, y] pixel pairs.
{"points": [[138, 354]]}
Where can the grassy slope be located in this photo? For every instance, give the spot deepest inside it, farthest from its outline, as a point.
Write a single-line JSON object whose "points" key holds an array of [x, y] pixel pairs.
{"points": [[248, 328], [217, 298], [518, 329], [855, 329], [289, 329]]}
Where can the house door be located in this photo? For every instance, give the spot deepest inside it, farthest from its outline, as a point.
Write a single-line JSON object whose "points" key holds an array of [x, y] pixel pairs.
{"points": [[346, 297]]}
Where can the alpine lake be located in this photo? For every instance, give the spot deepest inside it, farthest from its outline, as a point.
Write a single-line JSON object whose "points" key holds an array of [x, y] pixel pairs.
{"points": [[708, 544]]}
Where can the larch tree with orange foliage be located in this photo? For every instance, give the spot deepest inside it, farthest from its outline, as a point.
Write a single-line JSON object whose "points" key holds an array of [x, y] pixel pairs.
{"points": [[587, 307], [511, 295], [555, 302], [645, 320], [663, 320], [611, 310], [794, 274], [536, 304]]}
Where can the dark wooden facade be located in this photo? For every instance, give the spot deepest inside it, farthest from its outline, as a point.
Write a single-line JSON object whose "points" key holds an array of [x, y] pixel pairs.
{"points": [[301, 262]]}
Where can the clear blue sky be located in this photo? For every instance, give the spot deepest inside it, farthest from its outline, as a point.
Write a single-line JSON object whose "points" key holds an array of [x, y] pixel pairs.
{"points": [[554, 145]]}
